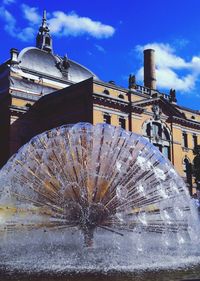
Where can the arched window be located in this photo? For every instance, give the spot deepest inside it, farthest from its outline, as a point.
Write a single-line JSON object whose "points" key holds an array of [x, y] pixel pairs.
{"points": [[121, 96], [159, 135], [28, 105], [165, 134], [106, 92], [47, 41], [188, 173]]}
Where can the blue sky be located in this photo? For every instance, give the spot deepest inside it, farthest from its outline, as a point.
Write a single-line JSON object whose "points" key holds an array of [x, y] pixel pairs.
{"points": [[109, 36]]}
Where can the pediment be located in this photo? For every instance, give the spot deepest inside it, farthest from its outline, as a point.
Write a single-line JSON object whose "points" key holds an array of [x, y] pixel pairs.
{"points": [[168, 109]]}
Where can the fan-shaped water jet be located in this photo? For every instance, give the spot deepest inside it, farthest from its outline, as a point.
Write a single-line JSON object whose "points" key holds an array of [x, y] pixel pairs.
{"points": [[97, 179]]}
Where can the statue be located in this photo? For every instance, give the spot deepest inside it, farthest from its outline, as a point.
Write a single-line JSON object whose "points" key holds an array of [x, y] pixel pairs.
{"points": [[196, 166], [131, 81], [64, 65], [156, 112], [172, 95]]}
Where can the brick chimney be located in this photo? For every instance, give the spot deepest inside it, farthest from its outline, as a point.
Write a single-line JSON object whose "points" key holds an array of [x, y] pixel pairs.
{"points": [[149, 69]]}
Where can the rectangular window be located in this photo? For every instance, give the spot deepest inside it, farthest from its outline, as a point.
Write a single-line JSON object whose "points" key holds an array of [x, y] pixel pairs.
{"points": [[107, 118], [148, 130], [156, 130], [195, 142], [166, 152], [122, 122], [185, 139]]}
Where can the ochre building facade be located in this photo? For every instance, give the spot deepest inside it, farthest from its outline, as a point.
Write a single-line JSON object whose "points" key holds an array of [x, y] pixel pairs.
{"points": [[40, 90]]}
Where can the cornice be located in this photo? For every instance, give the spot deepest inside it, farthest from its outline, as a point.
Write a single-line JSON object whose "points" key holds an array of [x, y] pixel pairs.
{"points": [[109, 100]]}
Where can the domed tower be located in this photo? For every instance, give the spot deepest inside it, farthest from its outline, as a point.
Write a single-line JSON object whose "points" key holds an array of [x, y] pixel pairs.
{"points": [[28, 75], [44, 40]]}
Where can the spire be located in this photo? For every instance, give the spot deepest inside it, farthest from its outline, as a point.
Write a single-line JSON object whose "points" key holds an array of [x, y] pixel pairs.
{"points": [[44, 26], [44, 40], [44, 17]]}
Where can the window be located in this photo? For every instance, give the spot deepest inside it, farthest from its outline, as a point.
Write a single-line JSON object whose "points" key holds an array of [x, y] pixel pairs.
{"points": [[28, 105], [166, 151], [195, 142], [121, 96], [47, 41], [106, 92], [148, 130], [107, 118], [122, 122], [165, 134], [188, 173], [28, 79], [156, 129], [159, 135], [158, 146], [185, 139]]}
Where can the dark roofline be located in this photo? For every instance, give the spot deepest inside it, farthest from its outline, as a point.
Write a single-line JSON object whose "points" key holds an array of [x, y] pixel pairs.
{"points": [[110, 85], [120, 88], [187, 122], [60, 93], [97, 81], [188, 109], [4, 65]]}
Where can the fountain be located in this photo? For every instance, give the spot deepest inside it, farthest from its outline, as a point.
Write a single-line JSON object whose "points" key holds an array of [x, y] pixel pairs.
{"points": [[86, 197]]}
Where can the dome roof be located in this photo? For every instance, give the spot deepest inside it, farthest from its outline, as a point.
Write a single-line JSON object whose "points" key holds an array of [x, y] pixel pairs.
{"points": [[78, 73], [43, 62]]}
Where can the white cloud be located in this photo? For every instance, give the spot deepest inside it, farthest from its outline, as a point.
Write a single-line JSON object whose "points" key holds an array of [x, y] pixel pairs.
{"points": [[9, 20], [31, 14], [24, 34], [60, 23], [165, 55], [172, 71], [89, 53], [100, 48], [180, 43], [63, 24]]}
